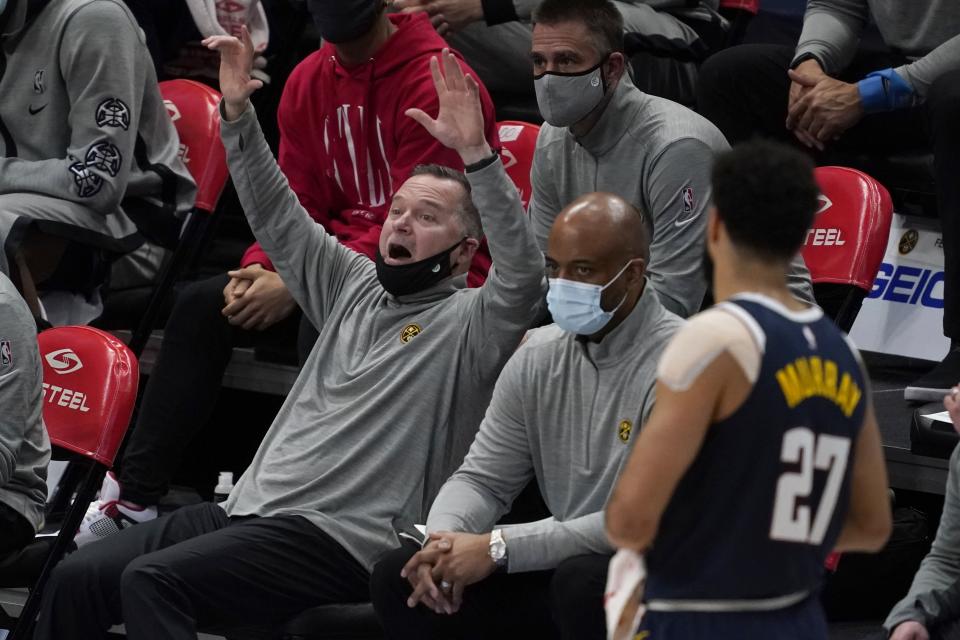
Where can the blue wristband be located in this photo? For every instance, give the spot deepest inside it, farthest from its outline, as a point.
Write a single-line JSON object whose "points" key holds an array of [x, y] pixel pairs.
{"points": [[884, 90]]}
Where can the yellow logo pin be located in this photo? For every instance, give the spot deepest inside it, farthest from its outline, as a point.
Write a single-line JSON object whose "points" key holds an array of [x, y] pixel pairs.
{"points": [[624, 430], [410, 332]]}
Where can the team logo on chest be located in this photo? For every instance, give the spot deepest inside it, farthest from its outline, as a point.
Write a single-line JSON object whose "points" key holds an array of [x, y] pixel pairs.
{"points": [[38, 87], [410, 332], [623, 431]]}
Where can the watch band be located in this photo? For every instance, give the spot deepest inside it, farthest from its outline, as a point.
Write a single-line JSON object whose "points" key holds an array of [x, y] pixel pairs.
{"points": [[482, 164], [804, 57]]}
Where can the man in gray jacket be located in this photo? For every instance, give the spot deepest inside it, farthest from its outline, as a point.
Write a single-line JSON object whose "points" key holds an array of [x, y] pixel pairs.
{"points": [[563, 412], [603, 134], [829, 93], [931, 607], [89, 158], [494, 36], [383, 410], [24, 446]]}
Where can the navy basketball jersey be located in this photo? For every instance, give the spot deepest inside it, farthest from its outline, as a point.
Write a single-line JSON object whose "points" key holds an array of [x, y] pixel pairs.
{"points": [[763, 502]]}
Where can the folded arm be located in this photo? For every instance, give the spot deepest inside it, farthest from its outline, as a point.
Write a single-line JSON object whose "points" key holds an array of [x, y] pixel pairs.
{"points": [[104, 90]]}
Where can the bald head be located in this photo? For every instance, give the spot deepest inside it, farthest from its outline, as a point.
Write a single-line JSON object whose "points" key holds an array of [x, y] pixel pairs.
{"points": [[598, 225], [601, 239]]}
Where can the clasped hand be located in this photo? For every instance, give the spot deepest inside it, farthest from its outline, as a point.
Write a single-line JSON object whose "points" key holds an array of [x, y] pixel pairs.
{"points": [[820, 108], [446, 565]]}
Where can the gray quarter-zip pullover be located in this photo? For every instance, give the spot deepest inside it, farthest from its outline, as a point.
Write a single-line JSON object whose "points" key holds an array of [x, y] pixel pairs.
{"points": [[395, 388], [566, 411], [24, 446]]}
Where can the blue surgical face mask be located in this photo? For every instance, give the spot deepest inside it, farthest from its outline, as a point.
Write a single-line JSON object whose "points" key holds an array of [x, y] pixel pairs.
{"points": [[575, 306]]}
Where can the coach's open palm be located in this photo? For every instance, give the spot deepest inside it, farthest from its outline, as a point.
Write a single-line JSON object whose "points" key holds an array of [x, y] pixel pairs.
{"points": [[236, 63], [459, 123]]}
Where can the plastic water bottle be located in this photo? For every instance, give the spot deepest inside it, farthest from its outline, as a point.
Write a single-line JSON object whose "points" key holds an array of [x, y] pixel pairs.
{"points": [[224, 486]]}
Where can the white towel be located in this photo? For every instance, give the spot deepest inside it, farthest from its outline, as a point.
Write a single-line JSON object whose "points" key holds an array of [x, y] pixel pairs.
{"points": [[623, 599]]}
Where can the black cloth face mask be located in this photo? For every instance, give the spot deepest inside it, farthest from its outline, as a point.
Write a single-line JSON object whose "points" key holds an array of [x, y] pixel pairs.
{"points": [[344, 20], [405, 279]]}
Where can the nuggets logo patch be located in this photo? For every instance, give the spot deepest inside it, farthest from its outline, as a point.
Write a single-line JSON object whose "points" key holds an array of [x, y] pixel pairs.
{"points": [[410, 332], [113, 112], [624, 430], [908, 242], [6, 353]]}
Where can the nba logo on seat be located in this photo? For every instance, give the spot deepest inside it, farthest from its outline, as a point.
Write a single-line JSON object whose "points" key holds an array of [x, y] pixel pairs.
{"points": [[6, 353], [63, 361]]}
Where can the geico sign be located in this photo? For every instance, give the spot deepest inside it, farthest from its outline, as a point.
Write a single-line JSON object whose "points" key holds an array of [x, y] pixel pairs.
{"points": [[908, 285], [65, 397], [825, 237]]}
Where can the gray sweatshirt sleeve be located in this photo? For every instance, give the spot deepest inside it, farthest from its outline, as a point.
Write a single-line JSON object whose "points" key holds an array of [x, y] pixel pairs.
{"points": [[831, 32], [496, 468], [19, 378], [941, 567], [494, 472], [922, 72], [102, 79], [542, 545], [544, 202], [511, 297], [678, 194], [313, 265]]}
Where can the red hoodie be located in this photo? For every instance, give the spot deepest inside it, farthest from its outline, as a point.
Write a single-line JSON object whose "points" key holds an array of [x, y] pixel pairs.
{"points": [[343, 178]]}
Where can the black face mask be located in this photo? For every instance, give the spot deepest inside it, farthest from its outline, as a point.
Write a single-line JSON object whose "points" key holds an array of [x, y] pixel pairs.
{"points": [[404, 279], [344, 20]]}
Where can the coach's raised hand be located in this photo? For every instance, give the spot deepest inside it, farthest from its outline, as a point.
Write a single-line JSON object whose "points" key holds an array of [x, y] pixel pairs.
{"points": [[236, 63], [459, 124]]}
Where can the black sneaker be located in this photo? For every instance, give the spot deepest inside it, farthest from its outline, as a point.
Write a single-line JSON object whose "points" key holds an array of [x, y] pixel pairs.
{"points": [[938, 382]]}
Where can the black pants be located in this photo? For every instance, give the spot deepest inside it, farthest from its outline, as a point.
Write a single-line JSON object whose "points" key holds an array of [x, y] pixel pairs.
{"points": [[182, 391], [564, 603], [744, 92], [198, 569], [16, 532]]}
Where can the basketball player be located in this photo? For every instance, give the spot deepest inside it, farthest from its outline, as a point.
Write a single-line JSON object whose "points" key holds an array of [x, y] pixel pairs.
{"points": [[762, 453]]}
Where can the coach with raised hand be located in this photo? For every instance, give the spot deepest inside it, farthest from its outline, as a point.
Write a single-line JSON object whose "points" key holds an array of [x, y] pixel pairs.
{"points": [[383, 410]]}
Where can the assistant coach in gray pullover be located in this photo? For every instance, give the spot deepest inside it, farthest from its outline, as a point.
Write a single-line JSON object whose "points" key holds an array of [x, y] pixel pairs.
{"points": [[384, 408], [563, 412]]}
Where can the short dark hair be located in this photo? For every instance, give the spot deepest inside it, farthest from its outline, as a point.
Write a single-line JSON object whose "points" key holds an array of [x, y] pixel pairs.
{"points": [[466, 211], [766, 196], [601, 18]]}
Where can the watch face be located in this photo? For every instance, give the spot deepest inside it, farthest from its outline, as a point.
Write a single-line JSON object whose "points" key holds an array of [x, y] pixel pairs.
{"points": [[498, 547]]}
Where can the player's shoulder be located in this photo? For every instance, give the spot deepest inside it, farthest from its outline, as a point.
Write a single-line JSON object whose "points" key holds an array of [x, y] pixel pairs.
{"points": [[702, 338]]}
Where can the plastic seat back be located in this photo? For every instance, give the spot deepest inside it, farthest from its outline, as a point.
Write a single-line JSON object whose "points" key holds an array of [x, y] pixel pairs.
{"points": [[193, 108], [848, 238], [519, 141], [89, 389]]}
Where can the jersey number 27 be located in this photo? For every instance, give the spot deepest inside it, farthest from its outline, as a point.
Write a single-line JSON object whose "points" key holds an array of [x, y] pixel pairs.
{"points": [[792, 518]]}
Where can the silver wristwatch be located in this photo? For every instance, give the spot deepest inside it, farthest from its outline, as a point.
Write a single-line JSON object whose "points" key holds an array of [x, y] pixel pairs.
{"points": [[498, 549]]}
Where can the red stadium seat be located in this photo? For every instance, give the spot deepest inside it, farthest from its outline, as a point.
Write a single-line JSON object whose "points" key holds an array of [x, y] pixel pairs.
{"points": [[845, 245], [89, 389], [193, 108], [519, 141], [750, 6]]}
